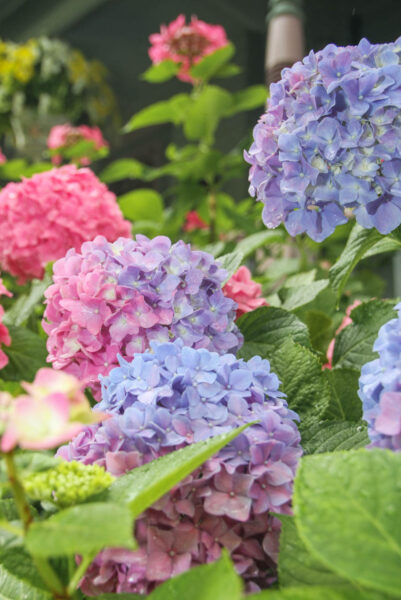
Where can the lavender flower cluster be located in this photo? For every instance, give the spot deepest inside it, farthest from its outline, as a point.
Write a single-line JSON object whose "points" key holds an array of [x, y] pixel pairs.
{"points": [[166, 398], [380, 387], [115, 298], [331, 140]]}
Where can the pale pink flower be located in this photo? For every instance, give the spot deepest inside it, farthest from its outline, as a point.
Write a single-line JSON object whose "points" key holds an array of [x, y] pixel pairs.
{"points": [[389, 419], [67, 135], [345, 322], [186, 44], [244, 291], [3, 158], [54, 412], [44, 216]]}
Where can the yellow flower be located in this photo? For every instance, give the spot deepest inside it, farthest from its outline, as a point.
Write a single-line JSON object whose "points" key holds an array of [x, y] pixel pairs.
{"points": [[78, 67], [24, 61]]}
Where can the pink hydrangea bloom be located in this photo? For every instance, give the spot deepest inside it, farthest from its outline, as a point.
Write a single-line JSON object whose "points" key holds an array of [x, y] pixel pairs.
{"points": [[193, 222], [53, 413], [345, 322], [64, 136], [3, 158], [186, 44], [116, 298], [42, 217], [246, 292], [4, 334]]}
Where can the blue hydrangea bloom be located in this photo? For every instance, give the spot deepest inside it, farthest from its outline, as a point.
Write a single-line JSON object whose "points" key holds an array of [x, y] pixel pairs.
{"points": [[380, 387], [166, 398], [331, 140]]}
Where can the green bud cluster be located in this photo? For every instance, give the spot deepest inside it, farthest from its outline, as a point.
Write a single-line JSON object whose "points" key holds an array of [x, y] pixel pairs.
{"points": [[67, 484]]}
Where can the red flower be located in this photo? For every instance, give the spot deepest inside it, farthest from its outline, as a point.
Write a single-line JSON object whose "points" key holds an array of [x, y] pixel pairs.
{"points": [[193, 221]]}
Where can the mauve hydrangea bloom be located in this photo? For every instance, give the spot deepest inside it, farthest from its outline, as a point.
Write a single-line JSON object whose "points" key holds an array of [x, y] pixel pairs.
{"points": [[330, 141], [116, 298], [64, 136], [42, 217], [4, 334], [186, 44], [246, 292], [380, 387], [164, 399]]}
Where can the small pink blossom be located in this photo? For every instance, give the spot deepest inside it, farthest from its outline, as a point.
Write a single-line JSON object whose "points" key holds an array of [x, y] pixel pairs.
{"points": [[54, 412], [44, 216], [3, 158], [186, 44], [345, 322], [193, 222], [244, 291], [67, 135]]}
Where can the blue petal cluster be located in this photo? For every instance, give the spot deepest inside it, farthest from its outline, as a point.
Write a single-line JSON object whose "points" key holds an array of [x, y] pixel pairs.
{"points": [[380, 387], [173, 395], [331, 140]]}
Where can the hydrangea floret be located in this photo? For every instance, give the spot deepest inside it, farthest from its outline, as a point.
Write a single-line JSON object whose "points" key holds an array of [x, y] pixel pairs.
{"points": [[380, 387], [67, 484], [42, 217], [62, 137], [116, 298], [173, 395], [246, 292], [52, 413], [186, 44], [329, 143]]}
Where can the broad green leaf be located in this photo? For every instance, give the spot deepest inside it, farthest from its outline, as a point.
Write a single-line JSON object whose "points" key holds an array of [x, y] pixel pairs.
{"points": [[320, 327], [23, 307], [8, 510], [211, 64], [142, 205], [331, 436], [124, 168], [12, 387], [354, 344], [140, 488], [319, 593], [263, 238], [296, 565], [215, 249], [387, 244], [304, 294], [26, 355], [230, 262], [19, 578], [119, 597], [345, 403], [216, 581], [228, 70], [166, 111], [205, 112], [82, 529], [347, 507], [248, 99], [38, 167], [300, 279], [13, 169], [359, 242], [161, 72], [301, 377], [267, 328]]}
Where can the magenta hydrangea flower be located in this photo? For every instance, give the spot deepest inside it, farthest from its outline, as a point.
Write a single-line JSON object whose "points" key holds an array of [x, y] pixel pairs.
{"points": [[116, 298], [42, 217], [380, 388], [330, 141], [168, 397], [186, 44], [4, 333]]}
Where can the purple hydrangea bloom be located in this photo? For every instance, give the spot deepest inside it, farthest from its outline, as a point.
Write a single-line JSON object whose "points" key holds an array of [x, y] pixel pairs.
{"points": [[380, 388], [168, 397], [331, 140], [115, 298]]}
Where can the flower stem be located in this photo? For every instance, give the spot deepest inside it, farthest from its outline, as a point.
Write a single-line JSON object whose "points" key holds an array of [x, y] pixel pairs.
{"points": [[45, 570], [79, 573], [212, 205]]}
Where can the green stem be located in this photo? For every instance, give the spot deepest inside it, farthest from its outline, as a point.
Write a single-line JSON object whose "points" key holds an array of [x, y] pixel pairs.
{"points": [[212, 206], [79, 573], [47, 573]]}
